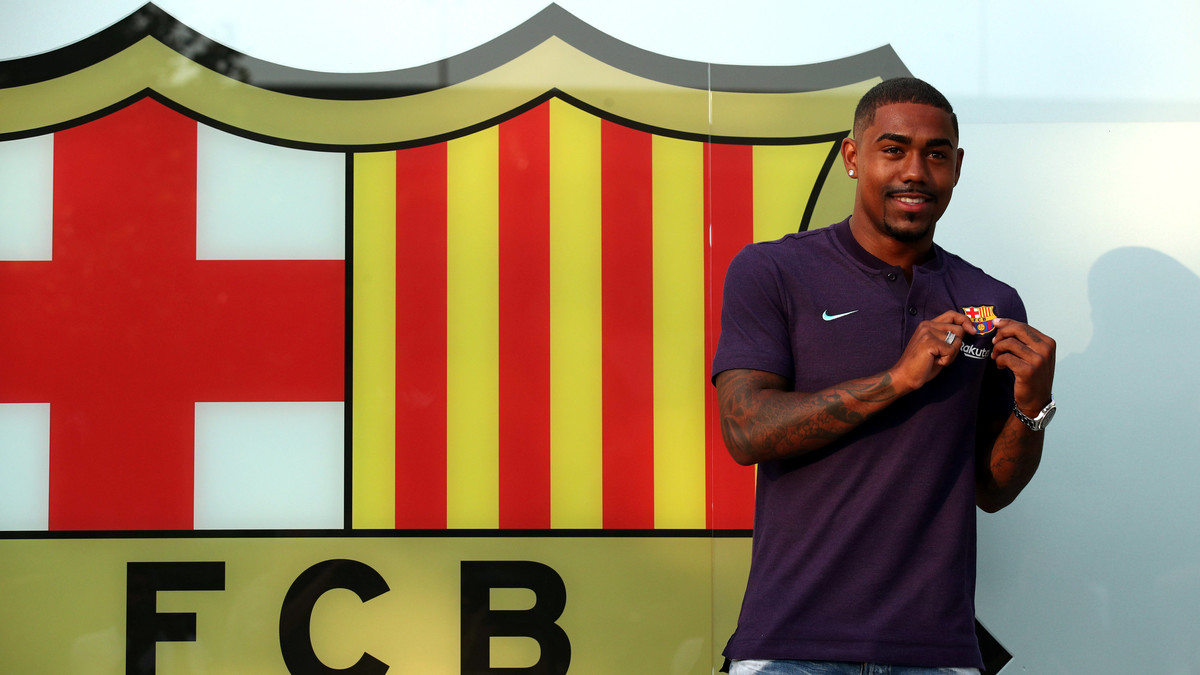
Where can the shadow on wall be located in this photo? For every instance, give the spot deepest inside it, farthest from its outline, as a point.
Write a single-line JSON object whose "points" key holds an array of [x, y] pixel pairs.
{"points": [[1109, 566]]}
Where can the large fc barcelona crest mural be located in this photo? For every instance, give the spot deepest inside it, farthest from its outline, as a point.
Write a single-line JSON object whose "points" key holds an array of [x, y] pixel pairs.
{"points": [[472, 298]]}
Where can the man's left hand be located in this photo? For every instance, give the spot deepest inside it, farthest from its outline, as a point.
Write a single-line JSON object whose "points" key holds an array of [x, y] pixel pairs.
{"points": [[1029, 354]]}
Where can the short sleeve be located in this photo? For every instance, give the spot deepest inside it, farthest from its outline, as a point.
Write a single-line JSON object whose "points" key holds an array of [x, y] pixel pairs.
{"points": [[754, 317]]}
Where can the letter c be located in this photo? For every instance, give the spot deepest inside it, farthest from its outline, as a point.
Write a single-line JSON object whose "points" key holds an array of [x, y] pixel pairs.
{"points": [[295, 618]]}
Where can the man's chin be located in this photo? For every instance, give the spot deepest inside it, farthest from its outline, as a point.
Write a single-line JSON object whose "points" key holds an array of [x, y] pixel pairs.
{"points": [[908, 232]]}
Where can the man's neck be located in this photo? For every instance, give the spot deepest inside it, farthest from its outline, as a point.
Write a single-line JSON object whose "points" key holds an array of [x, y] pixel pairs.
{"points": [[902, 254]]}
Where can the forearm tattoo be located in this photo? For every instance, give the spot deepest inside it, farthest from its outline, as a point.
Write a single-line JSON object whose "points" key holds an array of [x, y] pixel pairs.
{"points": [[1013, 460], [760, 420]]}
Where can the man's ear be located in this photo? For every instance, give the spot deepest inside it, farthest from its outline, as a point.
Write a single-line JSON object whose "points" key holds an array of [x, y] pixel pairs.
{"points": [[850, 156], [958, 166]]}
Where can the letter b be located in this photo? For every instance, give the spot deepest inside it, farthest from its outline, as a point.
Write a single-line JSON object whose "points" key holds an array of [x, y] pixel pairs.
{"points": [[480, 622]]}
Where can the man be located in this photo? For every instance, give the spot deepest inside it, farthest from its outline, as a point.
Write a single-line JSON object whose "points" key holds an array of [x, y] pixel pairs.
{"points": [[884, 387]]}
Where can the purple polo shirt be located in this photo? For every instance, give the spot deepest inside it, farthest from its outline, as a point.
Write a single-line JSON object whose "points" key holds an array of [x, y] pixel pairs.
{"points": [[864, 550]]}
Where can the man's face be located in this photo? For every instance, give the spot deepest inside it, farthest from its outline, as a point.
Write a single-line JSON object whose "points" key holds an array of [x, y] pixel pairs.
{"points": [[906, 163]]}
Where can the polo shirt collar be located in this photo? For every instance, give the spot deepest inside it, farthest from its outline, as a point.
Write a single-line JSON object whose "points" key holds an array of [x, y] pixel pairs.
{"points": [[850, 245]]}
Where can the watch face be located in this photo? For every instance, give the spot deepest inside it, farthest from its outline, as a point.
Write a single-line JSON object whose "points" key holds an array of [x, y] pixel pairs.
{"points": [[1048, 415]]}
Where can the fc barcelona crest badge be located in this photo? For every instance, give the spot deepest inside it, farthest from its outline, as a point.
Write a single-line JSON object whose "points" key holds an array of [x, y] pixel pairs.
{"points": [[984, 318], [477, 232]]}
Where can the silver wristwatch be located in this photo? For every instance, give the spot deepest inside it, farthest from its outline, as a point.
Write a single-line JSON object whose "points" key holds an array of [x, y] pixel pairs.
{"points": [[1036, 423]]}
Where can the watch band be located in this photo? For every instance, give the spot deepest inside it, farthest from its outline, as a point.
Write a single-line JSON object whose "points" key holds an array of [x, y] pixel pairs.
{"points": [[1042, 419]]}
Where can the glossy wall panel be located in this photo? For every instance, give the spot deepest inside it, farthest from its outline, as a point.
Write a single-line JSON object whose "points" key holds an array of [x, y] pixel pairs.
{"points": [[434, 128]]}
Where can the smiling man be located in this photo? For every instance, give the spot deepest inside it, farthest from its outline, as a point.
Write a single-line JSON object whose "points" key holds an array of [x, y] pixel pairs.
{"points": [[885, 388]]}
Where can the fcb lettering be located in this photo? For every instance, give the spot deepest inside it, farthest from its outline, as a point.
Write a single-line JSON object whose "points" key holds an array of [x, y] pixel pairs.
{"points": [[146, 627]]}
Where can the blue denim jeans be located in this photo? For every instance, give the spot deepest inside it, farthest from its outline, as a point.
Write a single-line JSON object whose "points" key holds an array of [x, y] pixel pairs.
{"points": [[782, 667]]}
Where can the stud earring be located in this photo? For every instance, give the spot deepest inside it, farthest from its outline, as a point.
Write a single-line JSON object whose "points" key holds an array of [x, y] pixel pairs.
{"points": [[852, 173]]}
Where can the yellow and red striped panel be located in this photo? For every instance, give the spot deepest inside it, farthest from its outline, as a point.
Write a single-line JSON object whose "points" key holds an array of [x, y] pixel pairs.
{"points": [[535, 308]]}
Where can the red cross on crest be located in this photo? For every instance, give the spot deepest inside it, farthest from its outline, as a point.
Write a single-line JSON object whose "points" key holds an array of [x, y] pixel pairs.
{"points": [[124, 330]]}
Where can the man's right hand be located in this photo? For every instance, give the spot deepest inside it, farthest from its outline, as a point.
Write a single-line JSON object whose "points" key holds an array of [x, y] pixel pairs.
{"points": [[930, 350], [762, 419]]}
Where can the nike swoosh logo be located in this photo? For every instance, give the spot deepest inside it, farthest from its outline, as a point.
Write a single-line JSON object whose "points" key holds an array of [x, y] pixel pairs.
{"points": [[830, 317]]}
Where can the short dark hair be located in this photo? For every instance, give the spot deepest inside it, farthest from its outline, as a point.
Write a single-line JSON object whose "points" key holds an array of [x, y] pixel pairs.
{"points": [[899, 90]]}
